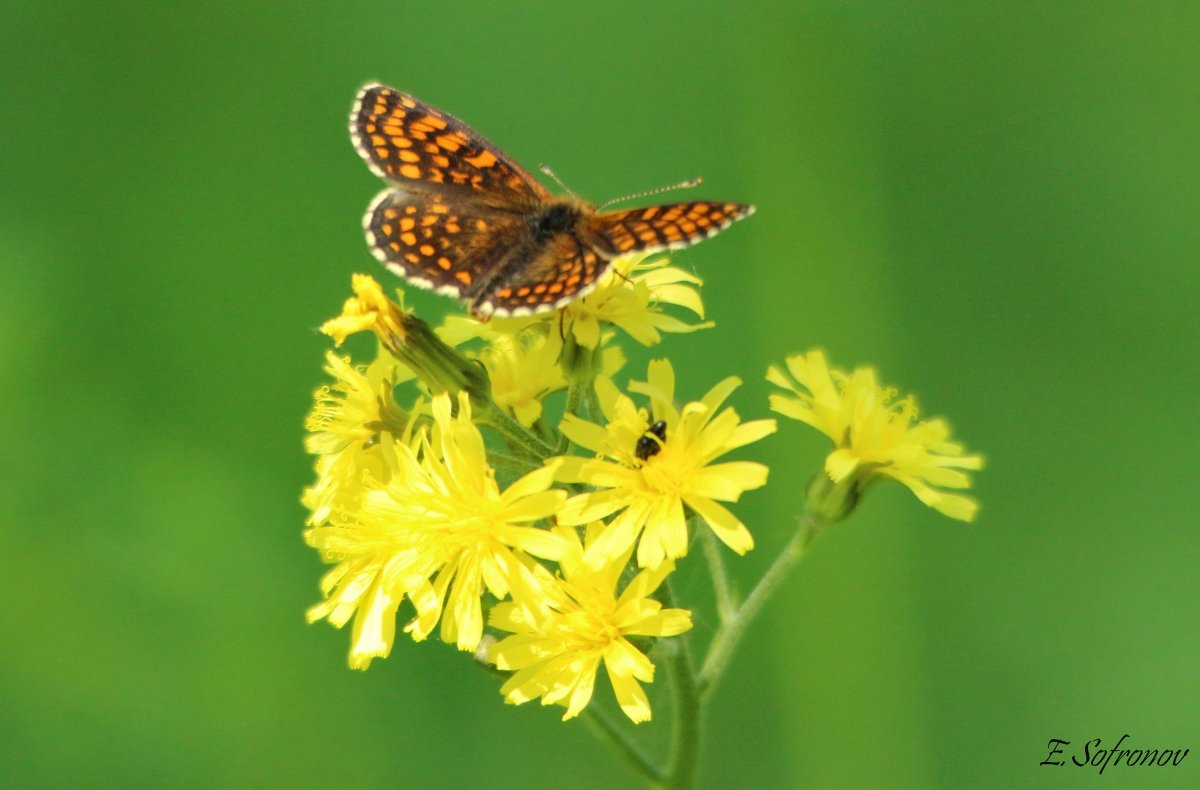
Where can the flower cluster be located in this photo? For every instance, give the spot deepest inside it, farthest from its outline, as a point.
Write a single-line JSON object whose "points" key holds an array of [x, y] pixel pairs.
{"points": [[492, 481]]}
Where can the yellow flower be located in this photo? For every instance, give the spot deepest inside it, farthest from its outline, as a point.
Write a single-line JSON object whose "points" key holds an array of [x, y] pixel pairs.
{"points": [[408, 339], [357, 406], [649, 478], [874, 436], [439, 531], [368, 309], [523, 370], [630, 295], [344, 428], [564, 627]]}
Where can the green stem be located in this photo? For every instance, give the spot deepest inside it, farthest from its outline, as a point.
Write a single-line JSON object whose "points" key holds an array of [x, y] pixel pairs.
{"points": [[686, 723], [575, 392], [685, 720], [619, 741], [731, 631], [716, 567], [592, 401], [511, 463], [516, 434]]}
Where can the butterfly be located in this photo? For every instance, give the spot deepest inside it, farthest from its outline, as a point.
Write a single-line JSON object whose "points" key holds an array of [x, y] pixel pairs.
{"points": [[461, 218]]}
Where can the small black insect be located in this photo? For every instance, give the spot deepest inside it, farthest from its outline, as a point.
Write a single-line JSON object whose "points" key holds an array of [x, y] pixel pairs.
{"points": [[650, 442]]}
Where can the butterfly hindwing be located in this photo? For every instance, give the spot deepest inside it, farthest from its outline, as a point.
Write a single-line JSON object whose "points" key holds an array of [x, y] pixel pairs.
{"points": [[435, 244], [421, 148], [562, 270], [671, 226]]}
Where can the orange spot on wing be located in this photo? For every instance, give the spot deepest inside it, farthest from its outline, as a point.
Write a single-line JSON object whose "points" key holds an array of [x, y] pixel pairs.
{"points": [[484, 158], [463, 277], [410, 171]]}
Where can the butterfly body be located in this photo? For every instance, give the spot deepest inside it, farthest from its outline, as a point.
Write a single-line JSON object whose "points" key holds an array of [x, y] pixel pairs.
{"points": [[461, 218]]}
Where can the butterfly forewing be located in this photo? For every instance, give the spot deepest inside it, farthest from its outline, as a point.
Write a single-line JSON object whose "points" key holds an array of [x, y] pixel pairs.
{"points": [[438, 244], [421, 148], [672, 226]]}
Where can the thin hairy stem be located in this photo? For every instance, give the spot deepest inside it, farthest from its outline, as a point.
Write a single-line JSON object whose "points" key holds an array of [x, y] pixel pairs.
{"points": [[720, 579], [516, 434], [575, 396], [732, 631], [605, 728], [686, 717]]}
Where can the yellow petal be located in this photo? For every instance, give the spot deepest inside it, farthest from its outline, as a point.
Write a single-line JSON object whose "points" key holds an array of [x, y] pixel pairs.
{"points": [[725, 525], [630, 697]]}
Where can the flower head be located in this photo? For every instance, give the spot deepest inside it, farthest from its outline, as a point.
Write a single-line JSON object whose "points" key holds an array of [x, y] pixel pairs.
{"points": [[523, 370], [439, 531], [357, 406], [368, 309], [563, 628], [875, 436], [648, 480], [345, 425], [409, 340]]}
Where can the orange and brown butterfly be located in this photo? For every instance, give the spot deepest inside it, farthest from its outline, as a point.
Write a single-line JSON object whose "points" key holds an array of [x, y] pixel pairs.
{"points": [[461, 218]]}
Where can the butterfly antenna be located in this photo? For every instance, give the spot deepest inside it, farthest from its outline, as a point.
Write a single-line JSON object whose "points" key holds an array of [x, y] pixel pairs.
{"points": [[691, 182], [545, 168]]}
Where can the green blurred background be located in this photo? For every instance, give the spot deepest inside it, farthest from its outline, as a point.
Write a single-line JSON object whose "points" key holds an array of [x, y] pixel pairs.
{"points": [[994, 203]]}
